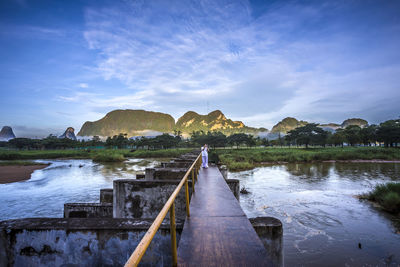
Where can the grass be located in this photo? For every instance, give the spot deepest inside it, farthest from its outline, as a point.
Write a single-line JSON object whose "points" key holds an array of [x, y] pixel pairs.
{"points": [[244, 159], [109, 156], [162, 153], [103, 155], [387, 196]]}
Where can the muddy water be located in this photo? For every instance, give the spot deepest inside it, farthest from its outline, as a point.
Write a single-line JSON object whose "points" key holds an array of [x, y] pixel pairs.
{"points": [[324, 224], [63, 181]]}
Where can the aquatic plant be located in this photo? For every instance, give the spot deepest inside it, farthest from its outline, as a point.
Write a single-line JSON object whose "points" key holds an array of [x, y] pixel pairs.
{"points": [[109, 156], [387, 195]]}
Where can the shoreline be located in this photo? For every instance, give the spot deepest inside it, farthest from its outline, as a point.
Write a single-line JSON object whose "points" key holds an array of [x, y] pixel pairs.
{"points": [[18, 173], [269, 163]]}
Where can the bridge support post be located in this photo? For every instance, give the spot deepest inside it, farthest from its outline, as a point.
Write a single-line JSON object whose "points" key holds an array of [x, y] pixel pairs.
{"points": [[173, 234], [187, 197], [193, 179]]}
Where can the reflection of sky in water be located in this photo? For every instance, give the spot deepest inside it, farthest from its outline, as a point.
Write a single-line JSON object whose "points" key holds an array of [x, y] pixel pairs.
{"points": [[63, 181], [323, 221]]}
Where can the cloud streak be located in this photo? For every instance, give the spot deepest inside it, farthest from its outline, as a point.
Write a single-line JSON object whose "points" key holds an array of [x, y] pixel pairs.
{"points": [[287, 61]]}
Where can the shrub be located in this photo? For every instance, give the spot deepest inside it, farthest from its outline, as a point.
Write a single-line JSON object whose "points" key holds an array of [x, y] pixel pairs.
{"points": [[387, 195], [108, 157]]}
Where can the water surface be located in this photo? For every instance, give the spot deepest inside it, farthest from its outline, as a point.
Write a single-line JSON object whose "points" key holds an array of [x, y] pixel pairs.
{"points": [[64, 181], [323, 220]]}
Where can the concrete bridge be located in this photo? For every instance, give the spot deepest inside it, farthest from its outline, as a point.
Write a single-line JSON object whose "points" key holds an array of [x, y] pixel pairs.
{"points": [[206, 226]]}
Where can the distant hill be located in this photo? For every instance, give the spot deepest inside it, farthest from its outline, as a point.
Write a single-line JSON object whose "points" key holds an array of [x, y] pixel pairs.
{"points": [[287, 124], [213, 121], [69, 133], [354, 121], [6, 133], [131, 122], [141, 122]]}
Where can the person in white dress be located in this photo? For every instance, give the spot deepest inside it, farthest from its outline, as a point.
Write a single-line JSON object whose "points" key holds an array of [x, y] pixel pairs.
{"points": [[204, 155]]}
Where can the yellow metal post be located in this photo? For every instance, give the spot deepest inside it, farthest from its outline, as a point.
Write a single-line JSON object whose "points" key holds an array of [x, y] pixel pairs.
{"points": [[193, 174], [187, 197], [173, 234]]}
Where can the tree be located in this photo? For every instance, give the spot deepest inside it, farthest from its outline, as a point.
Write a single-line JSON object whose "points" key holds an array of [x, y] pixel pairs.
{"points": [[309, 134], [250, 141], [237, 139], [338, 138], [353, 134], [389, 132], [368, 134]]}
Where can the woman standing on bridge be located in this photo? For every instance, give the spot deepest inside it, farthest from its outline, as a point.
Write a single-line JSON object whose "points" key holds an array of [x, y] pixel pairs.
{"points": [[204, 155]]}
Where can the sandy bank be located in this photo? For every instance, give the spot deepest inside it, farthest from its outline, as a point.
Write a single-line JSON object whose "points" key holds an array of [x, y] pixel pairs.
{"points": [[11, 174]]}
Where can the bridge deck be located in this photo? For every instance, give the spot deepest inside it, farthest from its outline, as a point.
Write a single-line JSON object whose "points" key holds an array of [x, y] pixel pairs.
{"points": [[218, 233]]}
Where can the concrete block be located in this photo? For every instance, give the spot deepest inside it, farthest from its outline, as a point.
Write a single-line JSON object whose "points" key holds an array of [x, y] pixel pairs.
{"points": [[88, 210], [165, 173], [234, 185], [142, 199], [140, 176], [270, 231], [106, 195], [81, 242]]}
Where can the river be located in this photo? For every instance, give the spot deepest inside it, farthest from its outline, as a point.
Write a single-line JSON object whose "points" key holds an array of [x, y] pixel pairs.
{"points": [[64, 181], [323, 221]]}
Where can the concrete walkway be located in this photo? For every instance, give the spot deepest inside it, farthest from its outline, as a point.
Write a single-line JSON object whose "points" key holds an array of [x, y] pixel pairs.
{"points": [[218, 233]]}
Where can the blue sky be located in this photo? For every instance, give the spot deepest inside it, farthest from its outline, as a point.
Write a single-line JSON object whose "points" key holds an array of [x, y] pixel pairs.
{"points": [[66, 62]]}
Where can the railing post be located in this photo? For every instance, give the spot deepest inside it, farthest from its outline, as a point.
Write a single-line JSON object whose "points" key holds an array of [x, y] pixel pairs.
{"points": [[193, 181], [173, 234], [187, 197]]}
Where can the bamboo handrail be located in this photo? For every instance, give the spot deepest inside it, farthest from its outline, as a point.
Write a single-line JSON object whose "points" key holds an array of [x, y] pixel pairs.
{"points": [[141, 248]]}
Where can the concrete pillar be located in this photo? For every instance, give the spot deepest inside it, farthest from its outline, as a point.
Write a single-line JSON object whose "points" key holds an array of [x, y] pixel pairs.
{"points": [[140, 176], [270, 232], [224, 171], [106, 195], [234, 185], [141, 199], [149, 173], [88, 210]]}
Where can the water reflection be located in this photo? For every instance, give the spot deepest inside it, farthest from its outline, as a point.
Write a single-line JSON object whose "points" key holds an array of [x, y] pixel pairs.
{"points": [[323, 221], [64, 181]]}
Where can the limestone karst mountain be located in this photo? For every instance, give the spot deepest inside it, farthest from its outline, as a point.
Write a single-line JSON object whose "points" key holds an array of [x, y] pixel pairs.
{"points": [[287, 124], [140, 122], [213, 121], [69, 133], [131, 122], [6, 133], [354, 121]]}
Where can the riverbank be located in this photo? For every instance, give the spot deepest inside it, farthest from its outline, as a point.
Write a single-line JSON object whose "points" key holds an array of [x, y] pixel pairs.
{"points": [[246, 159], [386, 196], [11, 172], [100, 155]]}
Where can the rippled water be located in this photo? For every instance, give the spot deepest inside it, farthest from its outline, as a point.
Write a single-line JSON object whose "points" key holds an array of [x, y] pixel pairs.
{"points": [[323, 221], [63, 181]]}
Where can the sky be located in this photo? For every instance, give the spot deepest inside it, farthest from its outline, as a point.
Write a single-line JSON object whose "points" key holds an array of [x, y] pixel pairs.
{"points": [[67, 62]]}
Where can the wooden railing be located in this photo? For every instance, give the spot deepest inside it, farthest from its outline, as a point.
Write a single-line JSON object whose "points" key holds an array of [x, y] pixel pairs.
{"points": [[169, 206]]}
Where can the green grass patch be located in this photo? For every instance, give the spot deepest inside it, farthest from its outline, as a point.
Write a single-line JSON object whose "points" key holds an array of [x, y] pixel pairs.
{"points": [[387, 196], [109, 156], [161, 153], [239, 159], [104, 155]]}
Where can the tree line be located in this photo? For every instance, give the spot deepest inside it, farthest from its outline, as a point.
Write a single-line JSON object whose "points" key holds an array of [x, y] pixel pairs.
{"points": [[386, 133]]}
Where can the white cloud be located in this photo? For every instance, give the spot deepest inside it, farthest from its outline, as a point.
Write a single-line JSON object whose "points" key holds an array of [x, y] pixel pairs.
{"points": [[83, 85], [175, 57]]}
